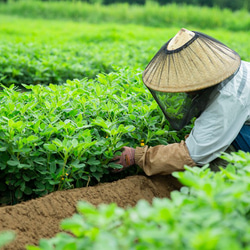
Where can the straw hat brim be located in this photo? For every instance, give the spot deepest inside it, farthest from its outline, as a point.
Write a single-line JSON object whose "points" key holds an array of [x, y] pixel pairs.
{"points": [[200, 63]]}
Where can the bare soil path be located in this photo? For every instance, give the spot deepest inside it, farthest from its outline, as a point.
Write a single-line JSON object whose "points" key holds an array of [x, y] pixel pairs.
{"points": [[40, 218]]}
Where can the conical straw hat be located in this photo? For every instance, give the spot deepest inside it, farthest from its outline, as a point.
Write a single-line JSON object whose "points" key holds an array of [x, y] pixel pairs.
{"points": [[190, 61]]}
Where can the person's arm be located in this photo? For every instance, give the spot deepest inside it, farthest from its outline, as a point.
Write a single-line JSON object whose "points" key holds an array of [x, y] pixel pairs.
{"points": [[213, 132], [163, 159]]}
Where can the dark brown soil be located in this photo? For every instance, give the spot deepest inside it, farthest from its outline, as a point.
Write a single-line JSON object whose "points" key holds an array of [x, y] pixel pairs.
{"points": [[40, 218]]}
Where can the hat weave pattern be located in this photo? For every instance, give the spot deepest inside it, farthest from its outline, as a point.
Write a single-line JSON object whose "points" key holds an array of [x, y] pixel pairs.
{"points": [[200, 63]]}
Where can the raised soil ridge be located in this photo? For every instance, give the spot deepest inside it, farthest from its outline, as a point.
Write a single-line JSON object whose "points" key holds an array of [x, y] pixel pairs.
{"points": [[41, 217]]}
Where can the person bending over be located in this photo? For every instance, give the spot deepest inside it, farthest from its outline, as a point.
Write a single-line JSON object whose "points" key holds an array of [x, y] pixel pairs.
{"points": [[195, 75]]}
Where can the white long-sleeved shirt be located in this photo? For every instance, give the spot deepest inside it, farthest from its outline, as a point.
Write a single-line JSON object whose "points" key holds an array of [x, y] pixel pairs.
{"points": [[219, 124]]}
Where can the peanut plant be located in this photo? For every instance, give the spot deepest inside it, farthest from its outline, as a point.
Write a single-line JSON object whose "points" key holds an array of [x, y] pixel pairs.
{"points": [[211, 211], [60, 137]]}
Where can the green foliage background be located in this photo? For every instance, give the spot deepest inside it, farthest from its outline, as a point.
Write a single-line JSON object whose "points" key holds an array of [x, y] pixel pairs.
{"points": [[211, 211], [95, 54], [52, 51], [151, 14], [233, 5], [72, 96]]}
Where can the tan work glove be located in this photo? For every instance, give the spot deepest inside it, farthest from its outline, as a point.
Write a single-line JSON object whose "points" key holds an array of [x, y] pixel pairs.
{"points": [[126, 159]]}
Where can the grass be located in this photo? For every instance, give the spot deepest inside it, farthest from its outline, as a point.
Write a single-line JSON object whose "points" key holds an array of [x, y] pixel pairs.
{"points": [[151, 14], [52, 51], [62, 33]]}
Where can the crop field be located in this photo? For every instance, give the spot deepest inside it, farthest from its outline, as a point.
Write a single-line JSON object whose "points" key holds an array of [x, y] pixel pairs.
{"points": [[87, 99], [72, 96]]}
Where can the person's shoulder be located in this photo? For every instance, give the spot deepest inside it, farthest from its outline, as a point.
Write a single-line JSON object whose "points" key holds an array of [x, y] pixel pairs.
{"points": [[235, 84], [247, 64], [243, 61]]}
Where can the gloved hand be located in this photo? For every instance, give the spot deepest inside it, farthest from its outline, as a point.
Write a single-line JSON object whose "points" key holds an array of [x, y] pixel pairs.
{"points": [[126, 159]]}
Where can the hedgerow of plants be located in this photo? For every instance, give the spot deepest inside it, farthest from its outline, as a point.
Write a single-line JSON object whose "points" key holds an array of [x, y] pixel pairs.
{"points": [[45, 64], [61, 50], [212, 211], [67, 50], [37, 64], [60, 137]]}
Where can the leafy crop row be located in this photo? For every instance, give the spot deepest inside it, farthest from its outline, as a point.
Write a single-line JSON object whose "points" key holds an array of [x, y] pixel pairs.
{"points": [[43, 130], [34, 64], [66, 51], [60, 137], [37, 54], [212, 211]]}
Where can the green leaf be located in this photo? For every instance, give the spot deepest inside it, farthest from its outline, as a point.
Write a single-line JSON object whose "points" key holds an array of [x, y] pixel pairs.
{"points": [[18, 194], [74, 143], [51, 182], [22, 186], [57, 142], [18, 125], [25, 150], [6, 237], [76, 164], [46, 244], [2, 149], [25, 166], [101, 122], [40, 185], [160, 132], [52, 167], [32, 138], [13, 163], [50, 147], [119, 145], [93, 161], [97, 175], [26, 178], [28, 190], [130, 128], [75, 224], [115, 165], [93, 168], [29, 247]]}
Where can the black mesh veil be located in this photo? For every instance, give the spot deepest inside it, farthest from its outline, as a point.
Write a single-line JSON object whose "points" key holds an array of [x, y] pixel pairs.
{"points": [[183, 80], [180, 108]]}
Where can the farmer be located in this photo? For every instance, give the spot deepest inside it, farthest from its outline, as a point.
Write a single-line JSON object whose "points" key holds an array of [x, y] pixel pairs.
{"points": [[196, 76]]}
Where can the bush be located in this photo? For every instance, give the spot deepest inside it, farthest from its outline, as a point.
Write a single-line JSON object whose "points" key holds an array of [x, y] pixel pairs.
{"points": [[38, 64], [63, 50], [212, 211], [67, 50], [60, 137]]}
